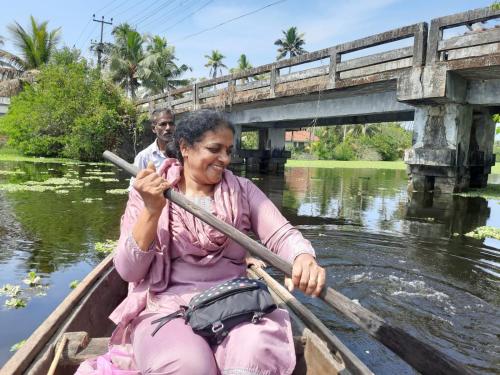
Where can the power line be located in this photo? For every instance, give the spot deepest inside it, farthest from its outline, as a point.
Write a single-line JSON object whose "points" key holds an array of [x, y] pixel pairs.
{"points": [[169, 12], [129, 8], [84, 29], [87, 39], [118, 6], [189, 15], [231, 20], [153, 12], [105, 6]]}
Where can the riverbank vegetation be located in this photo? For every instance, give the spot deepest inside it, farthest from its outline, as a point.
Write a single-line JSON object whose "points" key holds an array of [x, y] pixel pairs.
{"points": [[69, 112]]}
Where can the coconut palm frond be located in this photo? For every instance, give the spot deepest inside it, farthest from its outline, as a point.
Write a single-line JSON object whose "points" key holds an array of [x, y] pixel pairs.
{"points": [[12, 60], [290, 44], [35, 46], [215, 63]]}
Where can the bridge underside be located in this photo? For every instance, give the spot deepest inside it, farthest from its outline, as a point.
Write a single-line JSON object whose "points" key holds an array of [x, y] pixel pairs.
{"points": [[330, 108], [449, 87]]}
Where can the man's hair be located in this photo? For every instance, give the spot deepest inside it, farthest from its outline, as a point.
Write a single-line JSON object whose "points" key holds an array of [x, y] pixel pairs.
{"points": [[158, 111]]}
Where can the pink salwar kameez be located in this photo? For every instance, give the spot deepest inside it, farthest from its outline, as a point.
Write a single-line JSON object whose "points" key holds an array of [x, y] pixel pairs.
{"points": [[187, 257]]}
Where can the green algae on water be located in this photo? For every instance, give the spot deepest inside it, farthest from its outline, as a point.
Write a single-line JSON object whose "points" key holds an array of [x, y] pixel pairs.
{"points": [[17, 346], [489, 192], [483, 232], [15, 303], [117, 191], [106, 247]]}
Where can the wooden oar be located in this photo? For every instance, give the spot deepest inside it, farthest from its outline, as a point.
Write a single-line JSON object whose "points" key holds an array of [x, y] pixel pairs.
{"points": [[421, 356]]}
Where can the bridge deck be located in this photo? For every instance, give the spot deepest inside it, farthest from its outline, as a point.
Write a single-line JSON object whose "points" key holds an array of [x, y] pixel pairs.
{"points": [[473, 56]]}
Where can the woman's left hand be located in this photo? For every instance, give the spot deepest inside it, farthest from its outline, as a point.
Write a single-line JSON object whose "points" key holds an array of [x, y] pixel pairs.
{"points": [[307, 275]]}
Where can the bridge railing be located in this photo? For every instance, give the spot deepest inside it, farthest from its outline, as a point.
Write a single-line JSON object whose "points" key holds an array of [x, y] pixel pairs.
{"points": [[267, 81], [479, 43], [379, 62]]}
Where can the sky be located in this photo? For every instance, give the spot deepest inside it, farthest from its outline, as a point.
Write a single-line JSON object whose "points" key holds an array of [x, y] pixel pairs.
{"points": [[248, 26]]}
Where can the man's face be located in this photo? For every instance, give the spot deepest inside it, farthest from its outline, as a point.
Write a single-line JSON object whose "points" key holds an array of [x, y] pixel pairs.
{"points": [[164, 126]]}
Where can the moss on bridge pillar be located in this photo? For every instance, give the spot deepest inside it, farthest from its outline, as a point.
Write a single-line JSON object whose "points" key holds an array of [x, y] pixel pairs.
{"points": [[439, 158]]}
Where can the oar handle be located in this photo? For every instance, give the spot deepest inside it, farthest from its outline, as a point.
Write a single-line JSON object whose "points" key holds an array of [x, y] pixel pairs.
{"points": [[254, 247], [423, 357]]}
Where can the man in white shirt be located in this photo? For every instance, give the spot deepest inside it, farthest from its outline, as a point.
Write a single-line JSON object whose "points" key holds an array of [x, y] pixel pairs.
{"points": [[163, 125]]}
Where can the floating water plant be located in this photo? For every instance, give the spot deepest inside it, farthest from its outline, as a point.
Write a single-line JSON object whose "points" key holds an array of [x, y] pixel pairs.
{"points": [[17, 346], [8, 173], [117, 191], [105, 247], [99, 173], [489, 192], [54, 183], [33, 279], [74, 284], [483, 232], [10, 290], [101, 179], [90, 200], [15, 303]]}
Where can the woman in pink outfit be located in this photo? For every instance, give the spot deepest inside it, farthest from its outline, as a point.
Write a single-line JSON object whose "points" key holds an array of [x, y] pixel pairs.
{"points": [[168, 255]]}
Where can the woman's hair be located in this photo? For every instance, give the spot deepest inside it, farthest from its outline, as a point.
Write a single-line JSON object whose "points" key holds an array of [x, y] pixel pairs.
{"points": [[193, 126]]}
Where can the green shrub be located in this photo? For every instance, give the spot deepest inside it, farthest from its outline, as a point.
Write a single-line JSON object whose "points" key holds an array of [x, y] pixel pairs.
{"points": [[391, 142], [344, 151], [69, 111]]}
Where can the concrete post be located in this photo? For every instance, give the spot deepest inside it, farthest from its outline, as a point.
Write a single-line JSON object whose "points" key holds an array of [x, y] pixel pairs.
{"points": [[439, 158], [236, 158], [272, 144]]}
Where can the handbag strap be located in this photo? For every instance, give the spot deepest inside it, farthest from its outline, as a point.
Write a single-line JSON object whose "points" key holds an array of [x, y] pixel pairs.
{"points": [[181, 313]]}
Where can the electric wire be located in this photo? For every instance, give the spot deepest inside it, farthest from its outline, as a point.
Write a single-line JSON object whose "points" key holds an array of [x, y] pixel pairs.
{"points": [[149, 13], [81, 33], [105, 6], [231, 20], [129, 8], [172, 11], [189, 15]]}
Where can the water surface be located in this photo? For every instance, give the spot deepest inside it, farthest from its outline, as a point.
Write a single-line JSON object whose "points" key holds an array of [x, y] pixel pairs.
{"points": [[403, 257]]}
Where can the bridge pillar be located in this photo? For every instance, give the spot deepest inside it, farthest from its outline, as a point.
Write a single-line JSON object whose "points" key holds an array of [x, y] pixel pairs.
{"points": [[236, 158], [438, 159], [272, 145], [481, 156]]}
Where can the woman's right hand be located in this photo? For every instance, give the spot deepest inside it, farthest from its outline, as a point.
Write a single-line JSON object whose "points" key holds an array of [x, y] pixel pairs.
{"points": [[151, 187]]}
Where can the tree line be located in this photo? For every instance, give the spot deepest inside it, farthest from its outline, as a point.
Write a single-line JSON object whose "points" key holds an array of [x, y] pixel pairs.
{"points": [[63, 105], [67, 106]]}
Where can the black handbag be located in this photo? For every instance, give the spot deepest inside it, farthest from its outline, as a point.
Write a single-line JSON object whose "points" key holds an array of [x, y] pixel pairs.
{"points": [[214, 312]]}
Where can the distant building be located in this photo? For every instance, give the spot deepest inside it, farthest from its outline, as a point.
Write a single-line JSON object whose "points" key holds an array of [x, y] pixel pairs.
{"points": [[299, 139], [4, 104]]}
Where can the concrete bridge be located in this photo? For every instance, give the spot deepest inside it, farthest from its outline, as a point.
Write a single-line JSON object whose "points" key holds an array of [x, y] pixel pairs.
{"points": [[4, 105], [450, 87]]}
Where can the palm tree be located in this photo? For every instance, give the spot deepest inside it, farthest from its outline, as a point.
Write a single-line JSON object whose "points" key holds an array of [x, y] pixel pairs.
{"points": [[35, 48], [243, 65], [160, 73], [291, 44], [215, 63], [126, 58]]}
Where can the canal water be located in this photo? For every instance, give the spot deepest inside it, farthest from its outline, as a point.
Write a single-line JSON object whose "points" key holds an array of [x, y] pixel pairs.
{"points": [[403, 257]]}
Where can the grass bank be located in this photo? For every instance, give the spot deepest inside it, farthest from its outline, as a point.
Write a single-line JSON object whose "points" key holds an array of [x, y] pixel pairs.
{"points": [[356, 164], [10, 154]]}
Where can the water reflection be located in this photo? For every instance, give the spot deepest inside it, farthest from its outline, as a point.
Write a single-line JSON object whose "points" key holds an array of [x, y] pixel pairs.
{"points": [[398, 255], [402, 256]]}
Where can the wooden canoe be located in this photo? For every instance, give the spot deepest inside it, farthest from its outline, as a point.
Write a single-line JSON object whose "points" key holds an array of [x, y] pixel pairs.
{"points": [[79, 328]]}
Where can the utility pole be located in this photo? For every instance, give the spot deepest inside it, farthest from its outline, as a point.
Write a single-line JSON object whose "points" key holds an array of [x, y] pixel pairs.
{"points": [[100, 45]]}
